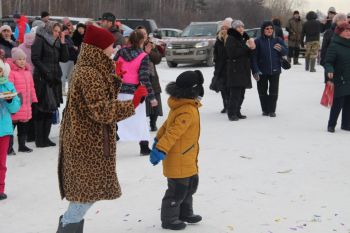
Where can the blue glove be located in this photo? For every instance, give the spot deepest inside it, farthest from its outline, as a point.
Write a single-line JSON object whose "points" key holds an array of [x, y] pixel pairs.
{"points": [[156, 156]]}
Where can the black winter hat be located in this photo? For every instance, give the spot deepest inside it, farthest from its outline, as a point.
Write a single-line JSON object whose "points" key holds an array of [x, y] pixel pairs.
{"points": [[188, 85], [44, 14], [189, 79], [296, 13], [108, 16]]}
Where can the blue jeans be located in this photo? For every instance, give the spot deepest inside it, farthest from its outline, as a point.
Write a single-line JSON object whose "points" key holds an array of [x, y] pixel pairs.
{"points": [[75, 213]]}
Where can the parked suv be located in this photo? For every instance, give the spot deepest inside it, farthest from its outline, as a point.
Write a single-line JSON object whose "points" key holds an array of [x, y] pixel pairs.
{"points": [[195, 44], [149, 24]]}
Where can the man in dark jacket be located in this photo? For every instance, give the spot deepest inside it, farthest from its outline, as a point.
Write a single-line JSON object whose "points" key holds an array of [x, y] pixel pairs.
{"points": [[108, 22], [7, 40], [327, 23], [294, 27], [311, 30], [266, 66]]}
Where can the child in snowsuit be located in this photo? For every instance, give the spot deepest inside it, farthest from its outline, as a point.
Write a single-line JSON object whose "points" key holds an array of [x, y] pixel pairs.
{"points": [[8, 106], [177, 145]]}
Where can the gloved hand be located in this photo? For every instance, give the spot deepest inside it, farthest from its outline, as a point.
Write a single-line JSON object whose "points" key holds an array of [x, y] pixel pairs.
{"points": [[141, 92], [156, 156], [256, 76]]}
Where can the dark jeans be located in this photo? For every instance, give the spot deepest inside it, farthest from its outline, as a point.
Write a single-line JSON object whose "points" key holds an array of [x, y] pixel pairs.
{"points": [[268, 94], [340, 104], [236, 97], [225, 93], [293, 52], [177, 201]]}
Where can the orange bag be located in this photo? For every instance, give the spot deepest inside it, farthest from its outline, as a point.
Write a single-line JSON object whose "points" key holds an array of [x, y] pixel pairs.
{"points": [[327, 97]]}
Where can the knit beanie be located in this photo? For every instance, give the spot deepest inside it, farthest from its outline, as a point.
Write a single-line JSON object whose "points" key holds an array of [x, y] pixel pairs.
{"points": [[98, 37], [17, 53], [339, 29], [227, 22], [237, 23], [5, 27]]}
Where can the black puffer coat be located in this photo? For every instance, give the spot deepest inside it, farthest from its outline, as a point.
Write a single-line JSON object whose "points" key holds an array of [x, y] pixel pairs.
{"points": [[46, 55], [238, 62]]}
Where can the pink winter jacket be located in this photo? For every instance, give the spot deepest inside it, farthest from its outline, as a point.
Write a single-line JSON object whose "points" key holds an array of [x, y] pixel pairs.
{"points": [[24, 84]]}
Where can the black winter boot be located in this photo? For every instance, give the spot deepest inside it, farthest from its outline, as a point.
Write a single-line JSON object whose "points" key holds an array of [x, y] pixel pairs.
{"points": [[295, 61], [176, 225], [3, 196], [233, 118], [153, 123], [71, 227], [22, 144], [191, 219], [144, 149], [312, 65], [240, 116]]}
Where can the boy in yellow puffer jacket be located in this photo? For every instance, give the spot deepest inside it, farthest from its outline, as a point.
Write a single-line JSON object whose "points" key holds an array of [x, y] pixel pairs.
{"points": [[177, 145]]}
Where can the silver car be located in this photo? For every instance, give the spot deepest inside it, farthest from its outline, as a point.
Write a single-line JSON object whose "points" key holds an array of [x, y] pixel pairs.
{"points": [[195, 44]]}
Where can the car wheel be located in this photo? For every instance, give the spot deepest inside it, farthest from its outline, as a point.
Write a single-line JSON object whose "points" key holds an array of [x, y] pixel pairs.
{"points": [[210, 58], [171, 64]]}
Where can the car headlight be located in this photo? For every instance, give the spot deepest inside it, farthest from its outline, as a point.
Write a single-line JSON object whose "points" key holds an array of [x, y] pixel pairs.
{"points": [[201, 44], [169, 46]]}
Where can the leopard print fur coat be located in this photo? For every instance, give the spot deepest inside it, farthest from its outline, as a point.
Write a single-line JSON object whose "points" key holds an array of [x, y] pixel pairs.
{"points": [[87, 154]]}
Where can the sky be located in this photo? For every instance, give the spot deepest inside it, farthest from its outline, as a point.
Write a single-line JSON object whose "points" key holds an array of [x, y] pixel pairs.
{"points": [[323, 5]]}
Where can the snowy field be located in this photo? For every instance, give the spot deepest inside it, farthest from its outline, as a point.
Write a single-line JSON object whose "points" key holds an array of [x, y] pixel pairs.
{"points": [[259, 175]]}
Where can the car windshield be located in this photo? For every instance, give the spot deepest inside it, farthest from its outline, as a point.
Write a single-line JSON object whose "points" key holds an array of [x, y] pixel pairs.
{"points": [[200, 30]]}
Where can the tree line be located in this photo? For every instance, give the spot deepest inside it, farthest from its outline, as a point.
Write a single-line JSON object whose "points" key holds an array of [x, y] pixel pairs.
{"points": [[167, 13]]}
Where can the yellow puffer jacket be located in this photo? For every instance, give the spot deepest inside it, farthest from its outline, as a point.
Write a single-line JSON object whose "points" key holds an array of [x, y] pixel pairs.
{"points": [[178, 138]]}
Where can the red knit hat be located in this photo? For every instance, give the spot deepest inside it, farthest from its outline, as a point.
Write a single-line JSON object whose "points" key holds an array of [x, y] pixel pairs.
{"points": [[99, 37], [339, 29]]}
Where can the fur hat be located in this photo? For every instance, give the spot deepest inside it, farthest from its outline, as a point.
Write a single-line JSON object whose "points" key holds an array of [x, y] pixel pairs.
{"points": [[237, 23], [188, 85], [5, 27], [227, 22], [339, 29], [17, 53], [99, 37]]}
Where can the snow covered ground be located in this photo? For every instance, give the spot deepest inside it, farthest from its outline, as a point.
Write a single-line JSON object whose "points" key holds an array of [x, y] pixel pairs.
{"points": [[259, 175]]}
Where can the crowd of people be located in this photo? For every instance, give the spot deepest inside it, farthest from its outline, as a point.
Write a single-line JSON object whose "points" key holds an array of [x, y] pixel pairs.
{"points": [[237, 57], [111, 87]]}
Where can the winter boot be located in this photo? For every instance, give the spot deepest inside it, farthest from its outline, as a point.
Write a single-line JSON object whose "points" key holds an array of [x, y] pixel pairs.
{"points": [[224, 110], [3, 196], [144, 149], [240, 116], [71, 227], [295, 61], [176, 225], [191, 219], [307, 64], [312, 64], [233, 118], [153, 123], [22, 144]]}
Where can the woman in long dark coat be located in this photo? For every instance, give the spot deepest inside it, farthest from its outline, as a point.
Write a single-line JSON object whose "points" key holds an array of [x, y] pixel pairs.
{"points": [[239, 49], [337, 65], [48, 50], [220, 57]]}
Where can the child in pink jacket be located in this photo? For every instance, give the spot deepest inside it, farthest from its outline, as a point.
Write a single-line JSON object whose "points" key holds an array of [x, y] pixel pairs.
{"points": [[22, 78]]}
